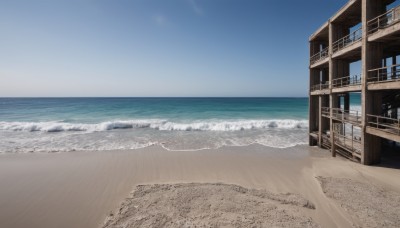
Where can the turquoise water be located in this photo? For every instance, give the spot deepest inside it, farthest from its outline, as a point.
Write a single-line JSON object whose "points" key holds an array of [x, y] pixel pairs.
{"points": [[67, 124], [92, 110]]}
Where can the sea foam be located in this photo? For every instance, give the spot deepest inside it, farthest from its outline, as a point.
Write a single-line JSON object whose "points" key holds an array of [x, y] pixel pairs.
{"points": [[162, 125]]}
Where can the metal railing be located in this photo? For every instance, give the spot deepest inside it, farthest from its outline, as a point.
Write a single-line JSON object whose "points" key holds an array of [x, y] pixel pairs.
{"points": [[347, 40], [319, 56], [321, 86], [325, 111], [384, 74], [351, 116], [326, 141], [346, 81], [386, 124], [351, 143], [382, 21]]}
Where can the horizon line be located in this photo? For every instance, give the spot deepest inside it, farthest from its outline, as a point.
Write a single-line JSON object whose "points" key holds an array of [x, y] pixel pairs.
{"points": [[156, 97]]}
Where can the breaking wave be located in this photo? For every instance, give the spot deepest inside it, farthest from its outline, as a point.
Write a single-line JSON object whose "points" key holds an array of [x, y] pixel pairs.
{"points": [[162, 125]]}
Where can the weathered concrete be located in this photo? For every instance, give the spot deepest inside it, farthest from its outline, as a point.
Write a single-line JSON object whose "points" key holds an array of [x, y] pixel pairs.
{"points": [[321, 63], [351, 50], [384, 85], [355, 88], [382, 34], [382, 133], [372, 56]]}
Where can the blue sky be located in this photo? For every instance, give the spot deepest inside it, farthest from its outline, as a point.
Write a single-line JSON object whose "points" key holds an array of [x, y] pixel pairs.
{"points": [[158, 48]]}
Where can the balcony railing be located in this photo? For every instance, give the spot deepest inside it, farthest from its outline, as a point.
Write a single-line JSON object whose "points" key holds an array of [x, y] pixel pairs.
{"points": [[389, 18], [350, 116], [346, 81], [348, 142], [319, 56], [326, 111], [321, 86], [384, 74], [347, 40], [386, 124], [326, 141]]}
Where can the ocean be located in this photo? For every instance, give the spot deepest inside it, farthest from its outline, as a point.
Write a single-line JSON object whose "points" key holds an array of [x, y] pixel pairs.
{"points": [[73, 124]]}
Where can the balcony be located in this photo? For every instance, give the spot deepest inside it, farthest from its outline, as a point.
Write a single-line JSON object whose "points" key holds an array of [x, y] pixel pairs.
{"points": [[384, 78], [319, 56], [349, 144], [346, 84], [383, 21], [384, 127], [325, 112], [322, 88], [348, 40], [349, 116]]}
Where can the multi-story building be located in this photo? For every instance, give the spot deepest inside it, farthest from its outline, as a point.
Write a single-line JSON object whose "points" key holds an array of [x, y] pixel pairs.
{"points": [[363, 33]]}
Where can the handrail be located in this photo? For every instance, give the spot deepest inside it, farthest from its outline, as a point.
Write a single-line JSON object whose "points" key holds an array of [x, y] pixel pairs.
{"points": [[321, 86], [392, 16], [341, 140], [382, 74], [326, 140], [351, 116], [383, 123], [347, 40], [325, 111], [346, 141], [346, 81], [319, 56], [385, 67]]}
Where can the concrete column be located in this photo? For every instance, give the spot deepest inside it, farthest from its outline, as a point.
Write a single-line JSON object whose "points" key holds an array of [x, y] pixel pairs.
{"points": [[319, 121], [373, 144], [371, 58], [365, 16], [313, 100], [313, 118], [332, 73], [372, 104]]}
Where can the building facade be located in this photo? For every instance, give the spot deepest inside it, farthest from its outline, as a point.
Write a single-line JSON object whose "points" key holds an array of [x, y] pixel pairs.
{"points": [[356, 53]]}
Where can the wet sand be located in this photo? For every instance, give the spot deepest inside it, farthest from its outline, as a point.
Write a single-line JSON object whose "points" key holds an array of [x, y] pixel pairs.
{"points": [[80, 189]]}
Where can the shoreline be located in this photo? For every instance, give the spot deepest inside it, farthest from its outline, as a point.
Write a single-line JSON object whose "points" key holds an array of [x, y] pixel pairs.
{"points": [[161, 145], [80, 188]]}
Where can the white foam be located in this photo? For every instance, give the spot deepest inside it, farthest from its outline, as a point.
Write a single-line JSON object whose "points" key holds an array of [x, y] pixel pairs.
{"points": [[162, 125], [22, 137]]}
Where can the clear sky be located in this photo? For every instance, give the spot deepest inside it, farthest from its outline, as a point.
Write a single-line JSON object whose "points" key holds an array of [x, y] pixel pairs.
{"points": [[158, 47]]}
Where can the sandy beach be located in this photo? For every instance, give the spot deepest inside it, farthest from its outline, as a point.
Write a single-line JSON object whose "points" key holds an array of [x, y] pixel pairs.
{"points": [[93, 188], [189, 113]]}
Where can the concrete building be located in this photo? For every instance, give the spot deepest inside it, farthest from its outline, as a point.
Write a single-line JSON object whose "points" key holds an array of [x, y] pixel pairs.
{"points": [[366, 32]]}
